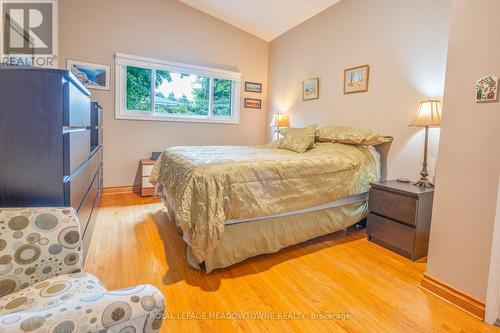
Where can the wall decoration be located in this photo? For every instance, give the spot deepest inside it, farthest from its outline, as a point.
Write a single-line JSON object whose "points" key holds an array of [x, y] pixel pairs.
{"points": [[310, 89], [253, 87], [356, 79], [487, 89], [93, 76], [253, 103]]}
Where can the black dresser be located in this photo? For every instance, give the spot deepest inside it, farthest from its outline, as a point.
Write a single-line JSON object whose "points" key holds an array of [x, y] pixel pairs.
{"points": [[50, 143]]}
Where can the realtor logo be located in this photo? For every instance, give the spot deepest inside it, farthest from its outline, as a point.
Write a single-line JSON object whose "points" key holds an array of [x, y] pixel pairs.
{"points": [[29, 32]]}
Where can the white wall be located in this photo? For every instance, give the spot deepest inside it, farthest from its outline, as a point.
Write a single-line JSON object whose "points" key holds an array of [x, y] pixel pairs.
{"points": [[405, 44], [465, 199], [492, 313], [93, 30]]}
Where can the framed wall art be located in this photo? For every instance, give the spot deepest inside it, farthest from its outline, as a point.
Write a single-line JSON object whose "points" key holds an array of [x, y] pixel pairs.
{"points": [[253, 103], [93, 76], [487, 89], [356, 79], [310, 89], [253, 87]]}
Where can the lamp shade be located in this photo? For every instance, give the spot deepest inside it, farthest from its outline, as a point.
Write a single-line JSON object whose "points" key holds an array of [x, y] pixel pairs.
{"points": [[428, 114], [280, 120]]}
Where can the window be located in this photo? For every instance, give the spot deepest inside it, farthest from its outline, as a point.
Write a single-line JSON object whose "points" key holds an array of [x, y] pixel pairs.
{"points": [[151, 89]]}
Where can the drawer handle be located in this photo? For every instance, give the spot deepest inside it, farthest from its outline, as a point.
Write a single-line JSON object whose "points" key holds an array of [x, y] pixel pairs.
{"points": [[69, 129]]}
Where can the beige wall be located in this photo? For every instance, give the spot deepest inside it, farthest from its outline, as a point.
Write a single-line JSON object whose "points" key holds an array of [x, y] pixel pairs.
{"points": [[469, 159], [405, 44], [93, 30]]}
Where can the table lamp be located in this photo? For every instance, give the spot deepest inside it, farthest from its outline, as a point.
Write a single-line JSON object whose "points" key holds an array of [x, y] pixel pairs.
{"points": [[428, 115], [279, 120]]}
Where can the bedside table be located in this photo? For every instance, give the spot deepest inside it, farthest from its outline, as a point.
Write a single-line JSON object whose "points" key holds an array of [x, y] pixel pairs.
{"points": [[147, 189], [400, 217]]}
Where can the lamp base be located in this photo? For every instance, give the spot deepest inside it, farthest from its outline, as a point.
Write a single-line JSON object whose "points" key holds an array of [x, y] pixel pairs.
{"points": [[424, 183]]}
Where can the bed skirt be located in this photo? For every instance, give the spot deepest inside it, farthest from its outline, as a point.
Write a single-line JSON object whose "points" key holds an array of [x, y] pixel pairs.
{"points": [[249, 239]]}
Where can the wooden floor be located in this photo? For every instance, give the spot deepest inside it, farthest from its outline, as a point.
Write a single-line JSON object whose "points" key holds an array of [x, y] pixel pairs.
{"points": [[337, 283]]}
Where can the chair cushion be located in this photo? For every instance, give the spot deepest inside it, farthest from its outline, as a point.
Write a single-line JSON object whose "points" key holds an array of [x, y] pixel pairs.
{"points": [[37, 244], [51, 293]]}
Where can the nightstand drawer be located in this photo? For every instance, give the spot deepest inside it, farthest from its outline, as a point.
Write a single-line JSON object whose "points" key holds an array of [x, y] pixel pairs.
{"points": [[396, 236], [146, 183], [146, 170], [398, 207]]}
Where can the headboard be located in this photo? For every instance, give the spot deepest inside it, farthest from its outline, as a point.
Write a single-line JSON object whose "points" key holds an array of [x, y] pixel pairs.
{"points": [[383, 150]]}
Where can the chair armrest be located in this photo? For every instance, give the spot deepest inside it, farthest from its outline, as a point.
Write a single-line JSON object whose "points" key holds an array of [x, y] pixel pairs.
{"points": [[140, 307], [37, 244]]}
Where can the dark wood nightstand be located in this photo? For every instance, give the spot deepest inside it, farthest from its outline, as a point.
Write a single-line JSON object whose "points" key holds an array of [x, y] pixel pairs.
{"points": [[400, 217]]}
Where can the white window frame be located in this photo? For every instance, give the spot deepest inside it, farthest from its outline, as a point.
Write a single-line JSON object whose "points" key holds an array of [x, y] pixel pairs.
{"points": [[121, 112]]}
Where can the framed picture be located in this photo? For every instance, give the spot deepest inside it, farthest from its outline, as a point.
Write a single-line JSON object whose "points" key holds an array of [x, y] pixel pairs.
{"points": [[356, 79], [253, 103], [310, 89], [487, 89], [93, 76], [253, 87]]}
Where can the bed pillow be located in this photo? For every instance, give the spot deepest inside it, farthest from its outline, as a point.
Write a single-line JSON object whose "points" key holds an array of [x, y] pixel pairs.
{"points": [[298, 139], [350, 135]]}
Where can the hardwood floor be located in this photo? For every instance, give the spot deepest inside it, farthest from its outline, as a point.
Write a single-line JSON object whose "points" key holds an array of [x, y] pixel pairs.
{"points": [[368, 288]]}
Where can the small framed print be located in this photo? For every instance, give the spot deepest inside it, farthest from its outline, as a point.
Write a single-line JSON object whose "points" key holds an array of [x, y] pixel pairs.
{"points": [[253, 103], [310, 89], [487, 89], [253, 87], [93, 76], [356, 79]]}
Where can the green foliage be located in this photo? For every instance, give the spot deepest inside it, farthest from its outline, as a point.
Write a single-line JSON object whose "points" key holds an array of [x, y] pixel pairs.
{"points": [[139, 94], [222, 97], [139, 87]]}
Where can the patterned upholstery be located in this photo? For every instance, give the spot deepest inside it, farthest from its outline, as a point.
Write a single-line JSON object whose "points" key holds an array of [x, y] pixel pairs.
{"points": [[43, 290]]}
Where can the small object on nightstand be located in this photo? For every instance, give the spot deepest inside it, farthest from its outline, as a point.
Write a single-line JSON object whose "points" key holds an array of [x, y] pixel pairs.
{"points": [[400, 217], [403, 180], [147, 189], [155, 155]]}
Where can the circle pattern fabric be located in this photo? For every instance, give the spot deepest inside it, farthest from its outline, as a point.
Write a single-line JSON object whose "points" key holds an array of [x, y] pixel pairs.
{"points": [[55, 289], [43, 291], [46, 222], [36, 244], [116, 313], [27, 254], [70, 237], [18, 223]]}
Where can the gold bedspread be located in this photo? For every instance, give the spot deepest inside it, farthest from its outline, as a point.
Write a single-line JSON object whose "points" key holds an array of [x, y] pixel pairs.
{"points": [[213, 184]]}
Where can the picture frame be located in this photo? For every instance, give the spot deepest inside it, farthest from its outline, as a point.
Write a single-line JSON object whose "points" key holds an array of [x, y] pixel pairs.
{"points": [[487, 89], [356, 79], [93, 76], [253, 87], [253, 103], [310, 89]]}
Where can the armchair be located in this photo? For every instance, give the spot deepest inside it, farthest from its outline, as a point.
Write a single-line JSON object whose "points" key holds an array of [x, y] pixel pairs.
{"points": [[42, 288]]}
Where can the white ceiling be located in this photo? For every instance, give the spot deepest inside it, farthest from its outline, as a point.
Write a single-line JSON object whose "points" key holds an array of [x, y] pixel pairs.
{"points": [[266, 19]]}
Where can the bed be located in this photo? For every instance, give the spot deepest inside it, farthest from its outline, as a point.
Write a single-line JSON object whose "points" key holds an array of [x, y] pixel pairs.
{"points": [[236, 202]]}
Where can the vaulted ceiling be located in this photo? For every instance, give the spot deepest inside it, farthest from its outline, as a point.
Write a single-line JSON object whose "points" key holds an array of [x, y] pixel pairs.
{"points": [[266, 19]]}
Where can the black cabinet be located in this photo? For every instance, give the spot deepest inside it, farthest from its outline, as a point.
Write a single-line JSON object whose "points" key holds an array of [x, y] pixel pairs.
{"points": [[48, 152]]}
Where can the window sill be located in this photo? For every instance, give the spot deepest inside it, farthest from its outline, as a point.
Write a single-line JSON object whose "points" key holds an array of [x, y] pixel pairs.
{"points": [[206, 120]]}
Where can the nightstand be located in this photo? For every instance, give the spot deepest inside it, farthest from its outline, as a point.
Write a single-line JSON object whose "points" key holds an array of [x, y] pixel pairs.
{"points": [[400, 217], [147, 189]]}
